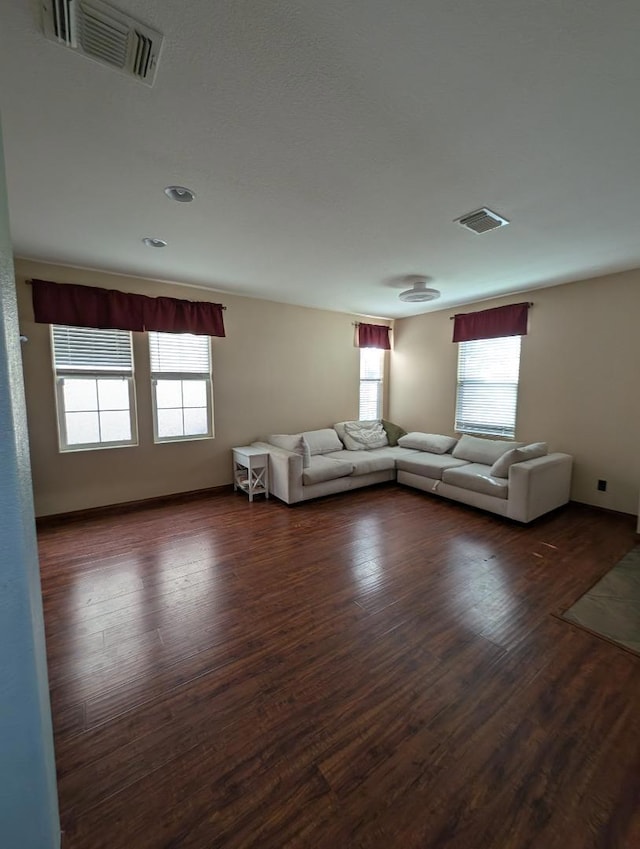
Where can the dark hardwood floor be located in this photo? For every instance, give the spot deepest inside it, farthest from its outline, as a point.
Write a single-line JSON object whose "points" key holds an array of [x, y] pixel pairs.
{"points": [[373, 670]]}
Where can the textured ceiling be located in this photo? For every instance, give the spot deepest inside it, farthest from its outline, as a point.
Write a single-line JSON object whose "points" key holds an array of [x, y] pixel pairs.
{"points": [[331, 145]]}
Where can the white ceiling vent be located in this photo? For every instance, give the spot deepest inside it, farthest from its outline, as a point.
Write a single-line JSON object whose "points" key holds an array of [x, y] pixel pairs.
{"points": [[105, 34], [481, 221]]}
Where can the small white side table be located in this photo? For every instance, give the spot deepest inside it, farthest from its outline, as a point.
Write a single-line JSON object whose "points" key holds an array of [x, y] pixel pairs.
{"points": [[251, 471]]}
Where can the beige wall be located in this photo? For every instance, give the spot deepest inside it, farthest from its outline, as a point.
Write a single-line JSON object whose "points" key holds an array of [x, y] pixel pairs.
{"points": [[286, 368], [280, 369], [579, 380]]}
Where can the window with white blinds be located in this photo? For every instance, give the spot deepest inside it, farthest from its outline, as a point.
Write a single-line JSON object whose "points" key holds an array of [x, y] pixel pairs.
{"points": [[94, 387], [487, 391], [371, 383], [181, 386]]}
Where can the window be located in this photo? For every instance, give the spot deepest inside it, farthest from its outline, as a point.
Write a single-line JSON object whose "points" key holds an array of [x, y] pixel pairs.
{"points": [[181, 386], [371, 376], [487, 395], [94, 387]]}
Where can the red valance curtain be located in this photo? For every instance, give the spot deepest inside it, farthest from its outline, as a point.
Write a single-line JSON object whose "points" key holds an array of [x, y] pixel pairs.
{"points": [[373, 336], [490, 324], [172, 315], [89, 306]]}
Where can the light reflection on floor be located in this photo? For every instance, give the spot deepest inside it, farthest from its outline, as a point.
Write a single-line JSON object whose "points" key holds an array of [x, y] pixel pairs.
{"points": [[365, 554], [481, 580], [138, 628]]}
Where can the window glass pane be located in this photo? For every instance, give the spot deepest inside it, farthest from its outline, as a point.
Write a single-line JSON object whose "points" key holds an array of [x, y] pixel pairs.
{"points": [[115, 426], [195, 421], [82, 428], [113, 395], [371, 363], [170, 423], [194, 393], [168, 393], [79, 394]]}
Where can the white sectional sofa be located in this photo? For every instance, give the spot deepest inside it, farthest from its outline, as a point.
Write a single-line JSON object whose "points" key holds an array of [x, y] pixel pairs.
{"points": [[513, 480]]}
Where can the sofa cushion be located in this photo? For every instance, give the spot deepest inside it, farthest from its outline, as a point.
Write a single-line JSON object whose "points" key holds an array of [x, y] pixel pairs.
{"points": [[393, 431], [359, 436], [365, 462], [432, 442], [322, 441], [476, 477], [479, 450], [500, 468], [322, 468], [429, 465], [292, 442]]}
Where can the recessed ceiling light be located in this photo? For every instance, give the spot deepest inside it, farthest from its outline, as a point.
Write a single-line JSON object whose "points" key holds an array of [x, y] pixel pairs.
{"points": [[180, 193], [154, 243]]}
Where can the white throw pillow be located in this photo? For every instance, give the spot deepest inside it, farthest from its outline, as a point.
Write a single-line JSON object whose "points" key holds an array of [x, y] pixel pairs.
{"points": [[292, 442], [339, 426], [500, 468], [479, 450], [434, 443], [322, 441], [359, 436]]}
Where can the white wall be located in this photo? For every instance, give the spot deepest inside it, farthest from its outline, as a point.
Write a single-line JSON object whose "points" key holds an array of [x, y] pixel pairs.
{"points": [[28, 795], [579, 384]]}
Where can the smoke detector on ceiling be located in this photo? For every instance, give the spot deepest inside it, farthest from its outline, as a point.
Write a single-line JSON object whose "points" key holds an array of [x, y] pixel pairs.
{"points": [[419, 293], [101, 32], [481, 221]]}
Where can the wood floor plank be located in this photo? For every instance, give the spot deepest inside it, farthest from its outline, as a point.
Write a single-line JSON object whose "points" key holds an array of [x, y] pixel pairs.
{"points": [[372, 670]]}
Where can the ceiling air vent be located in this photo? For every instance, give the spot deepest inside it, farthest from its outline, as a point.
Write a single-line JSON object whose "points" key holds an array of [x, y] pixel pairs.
{"points": [[105, 34], [481, 221]]}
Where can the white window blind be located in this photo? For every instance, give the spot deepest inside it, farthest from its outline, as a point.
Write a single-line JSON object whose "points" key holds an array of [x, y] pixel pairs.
{"points": [[371, 383], [88, 349], [94, 387], [487, 391], [181, 386], [179, 353]]}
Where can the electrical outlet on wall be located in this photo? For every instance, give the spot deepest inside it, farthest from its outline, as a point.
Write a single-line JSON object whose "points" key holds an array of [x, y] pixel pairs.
{"points": [[602, 486]]}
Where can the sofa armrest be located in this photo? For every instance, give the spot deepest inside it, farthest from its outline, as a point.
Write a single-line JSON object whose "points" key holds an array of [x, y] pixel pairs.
{"points": [[538, 486], [285, 472]]}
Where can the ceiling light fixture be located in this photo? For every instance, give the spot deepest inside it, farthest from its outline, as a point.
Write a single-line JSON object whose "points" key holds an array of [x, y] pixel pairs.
{"points": [[180, 193], [419, 293], [150, 242]]}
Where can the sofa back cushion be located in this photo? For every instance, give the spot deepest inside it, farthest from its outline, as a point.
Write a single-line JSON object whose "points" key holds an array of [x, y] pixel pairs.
{"points": [[363, 436], [292, 442], [479, 450], [434, 443], [500, 468], [322, 441]]}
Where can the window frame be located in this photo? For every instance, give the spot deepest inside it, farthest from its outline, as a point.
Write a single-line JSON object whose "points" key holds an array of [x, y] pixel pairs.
{"points": [[183, 377], [505, 428], [377, 381], [62, 373]]}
